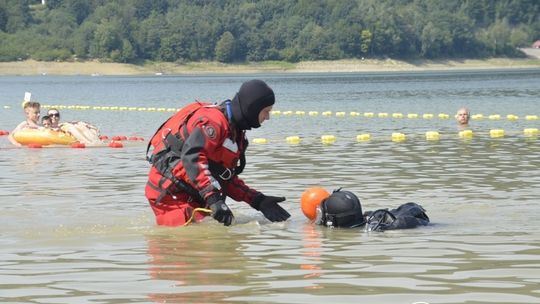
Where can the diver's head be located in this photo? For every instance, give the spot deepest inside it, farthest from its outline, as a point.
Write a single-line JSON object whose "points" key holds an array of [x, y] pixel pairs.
{"points": [[341, 209], [251, 105]]}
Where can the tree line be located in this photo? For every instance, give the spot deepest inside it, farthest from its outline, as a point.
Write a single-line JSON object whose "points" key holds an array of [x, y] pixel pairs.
{"points": [[134, 31]]}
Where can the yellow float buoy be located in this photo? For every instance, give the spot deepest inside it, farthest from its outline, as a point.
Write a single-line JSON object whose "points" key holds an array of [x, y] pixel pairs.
{"points": [[443, 116], [397, 137], [300, 113], [369, 114], [412, 115], [260, 141], [495, 133], [432, 135], [397, 115], [466, 134], [313, 113], [512, 117], [531, 117], [327, 113], [382, 115], [340, 114], [287, 113], [494, 117], [328, 139], [427, 116], [352, 113], [363, 137], [293, 139], [530, 132], [477, 117]]}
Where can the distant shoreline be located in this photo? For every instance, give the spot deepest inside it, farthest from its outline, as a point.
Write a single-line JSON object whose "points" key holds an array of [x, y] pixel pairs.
{"points": [[96, 68]]}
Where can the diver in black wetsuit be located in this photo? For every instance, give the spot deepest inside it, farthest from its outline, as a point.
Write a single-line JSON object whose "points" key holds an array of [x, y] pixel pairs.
{"points": [[343, 209]]}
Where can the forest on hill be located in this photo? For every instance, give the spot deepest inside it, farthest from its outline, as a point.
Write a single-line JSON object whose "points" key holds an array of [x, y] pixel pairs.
{"points": [[134, 31]]}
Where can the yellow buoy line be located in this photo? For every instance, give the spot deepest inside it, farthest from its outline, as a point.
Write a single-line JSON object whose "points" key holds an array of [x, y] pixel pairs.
{"points": [[112, 108], [395, 115], [400, 137], [399, 115]]}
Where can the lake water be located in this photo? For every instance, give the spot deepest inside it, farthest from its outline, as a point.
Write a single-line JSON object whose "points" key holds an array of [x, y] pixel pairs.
{"points": [[77, 227]]}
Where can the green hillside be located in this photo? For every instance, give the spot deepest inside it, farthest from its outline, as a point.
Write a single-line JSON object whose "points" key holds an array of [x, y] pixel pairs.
{"points": [[133, 31]]}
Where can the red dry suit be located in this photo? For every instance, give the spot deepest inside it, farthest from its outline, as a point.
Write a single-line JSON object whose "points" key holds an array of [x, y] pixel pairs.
{"points": [[197, 154]]}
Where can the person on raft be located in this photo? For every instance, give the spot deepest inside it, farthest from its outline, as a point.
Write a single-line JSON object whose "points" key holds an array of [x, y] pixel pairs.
{"points": [[31, 112], [197, 157], [343, 209], [84, 132], [54, 114], [46, 122]]}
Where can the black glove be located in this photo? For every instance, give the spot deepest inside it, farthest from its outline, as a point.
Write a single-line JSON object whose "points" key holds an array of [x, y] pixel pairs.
{"points": [[220, 211], [269, 207]]}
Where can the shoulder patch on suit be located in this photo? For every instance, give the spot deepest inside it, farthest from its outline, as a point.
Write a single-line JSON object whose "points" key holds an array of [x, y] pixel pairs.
{"points": [[209, 131]]}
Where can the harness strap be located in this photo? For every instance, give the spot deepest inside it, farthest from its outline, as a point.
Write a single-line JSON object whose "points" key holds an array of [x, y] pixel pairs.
{"points": [[188, 116], [378, 220], [337, 220], [162, 192]]}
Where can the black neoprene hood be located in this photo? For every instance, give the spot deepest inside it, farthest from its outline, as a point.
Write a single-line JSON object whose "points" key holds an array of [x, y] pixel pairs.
{"points": [[251, 99]]}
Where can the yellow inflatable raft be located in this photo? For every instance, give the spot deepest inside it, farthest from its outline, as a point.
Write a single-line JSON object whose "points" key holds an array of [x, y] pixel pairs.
{"points": [[43, 136]]}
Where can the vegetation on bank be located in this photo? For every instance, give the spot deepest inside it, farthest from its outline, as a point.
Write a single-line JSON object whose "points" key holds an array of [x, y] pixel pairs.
{"points": [[182, 31]]}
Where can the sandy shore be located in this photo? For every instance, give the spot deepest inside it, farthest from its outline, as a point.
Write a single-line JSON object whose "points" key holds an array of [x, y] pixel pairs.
{"points": [[32, 67]]}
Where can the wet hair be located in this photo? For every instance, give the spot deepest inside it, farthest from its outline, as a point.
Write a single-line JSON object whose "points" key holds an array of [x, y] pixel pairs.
{"points": [[44, 118], [466, 110], [32, 104]]}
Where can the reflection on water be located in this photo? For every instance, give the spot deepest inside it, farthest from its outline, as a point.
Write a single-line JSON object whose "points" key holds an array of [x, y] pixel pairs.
{"points": [[77, 228]]}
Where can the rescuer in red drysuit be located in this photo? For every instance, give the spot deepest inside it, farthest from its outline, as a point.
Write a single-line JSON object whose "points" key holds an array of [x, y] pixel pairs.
{"points": [[198, 154]]}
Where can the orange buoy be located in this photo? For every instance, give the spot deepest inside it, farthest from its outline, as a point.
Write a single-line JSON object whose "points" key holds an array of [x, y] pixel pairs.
{"points": [[2, 132], [34, 146], [133, 138], [104, 137], [116, 144], [119, 137], [311, 199], [78, 145]]}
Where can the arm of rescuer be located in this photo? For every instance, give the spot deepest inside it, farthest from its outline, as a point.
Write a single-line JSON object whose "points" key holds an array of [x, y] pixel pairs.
{"points": [[205, 137]]}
